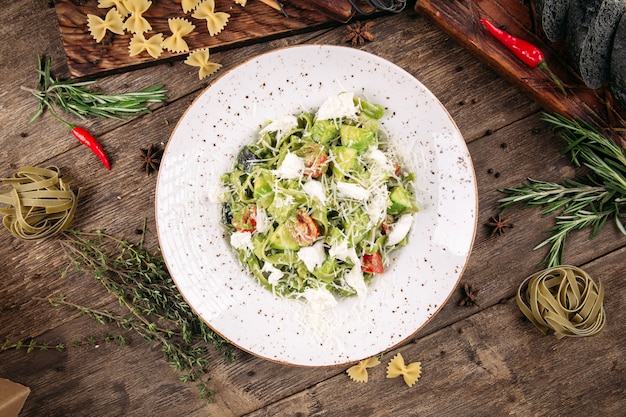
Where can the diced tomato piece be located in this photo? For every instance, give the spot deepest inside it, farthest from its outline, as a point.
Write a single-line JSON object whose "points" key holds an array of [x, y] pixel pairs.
{"points": [[245, 221], [396, 169], [372, 263], [302, 228]]}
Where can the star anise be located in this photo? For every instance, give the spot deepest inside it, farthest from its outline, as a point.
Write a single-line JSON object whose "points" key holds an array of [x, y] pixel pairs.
{"points": [[150, 159], [469, 296], [498, 225], [359, 33]]}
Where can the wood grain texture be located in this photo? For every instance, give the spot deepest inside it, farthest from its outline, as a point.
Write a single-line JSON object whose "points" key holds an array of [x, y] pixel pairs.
{"points": [[485, 360], [252, 23], [460, 19]]}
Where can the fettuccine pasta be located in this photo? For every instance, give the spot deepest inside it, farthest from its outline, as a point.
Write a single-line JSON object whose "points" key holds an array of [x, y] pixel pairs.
{"points": [[563, 299], [39, 204]]}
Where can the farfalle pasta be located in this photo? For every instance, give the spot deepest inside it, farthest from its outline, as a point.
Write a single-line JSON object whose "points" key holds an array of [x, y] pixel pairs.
{"points": [[180, 27], [200, 58], [189, 5], [358, 372], [216, 21], [136, 23], [98, 27], [118, 4], [410, 373], [128, 16], [153, 45]]}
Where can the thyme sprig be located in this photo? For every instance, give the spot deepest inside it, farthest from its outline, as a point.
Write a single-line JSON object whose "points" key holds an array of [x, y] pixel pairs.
{"points": [[153, 307], [75, 98], [31, 344], [590, 200]]}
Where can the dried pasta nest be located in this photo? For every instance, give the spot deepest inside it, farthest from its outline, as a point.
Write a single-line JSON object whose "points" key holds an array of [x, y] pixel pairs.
{"points": [[39, 204], [563, 299]]}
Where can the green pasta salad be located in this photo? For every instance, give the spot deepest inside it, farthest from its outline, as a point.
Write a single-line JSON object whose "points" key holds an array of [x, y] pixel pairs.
{"points": [[319, 200]]}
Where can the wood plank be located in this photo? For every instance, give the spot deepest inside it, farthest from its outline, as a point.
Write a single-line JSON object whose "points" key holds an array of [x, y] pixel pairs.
{"points": [[460, 19], [475, 367], [482, 368], [254, 22]]}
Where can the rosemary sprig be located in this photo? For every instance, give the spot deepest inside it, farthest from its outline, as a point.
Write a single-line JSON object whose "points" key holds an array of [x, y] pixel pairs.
{"points": [[75, 98], [587, 202], [153, 306]]}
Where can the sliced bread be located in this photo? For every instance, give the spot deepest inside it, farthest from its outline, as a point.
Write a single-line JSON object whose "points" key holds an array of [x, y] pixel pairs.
{"points": [[618, 63], [595, 54]]}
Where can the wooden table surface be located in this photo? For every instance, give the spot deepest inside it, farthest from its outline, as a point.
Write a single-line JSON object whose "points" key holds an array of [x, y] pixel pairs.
{"points": [[485, 360]]}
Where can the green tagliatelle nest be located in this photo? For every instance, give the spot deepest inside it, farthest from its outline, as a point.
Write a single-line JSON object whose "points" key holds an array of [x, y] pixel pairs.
{"points": [[39, 204], [563, 299]]}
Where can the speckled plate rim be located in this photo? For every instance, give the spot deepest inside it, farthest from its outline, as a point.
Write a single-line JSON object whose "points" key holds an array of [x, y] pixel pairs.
{"points": [[226, 115]]}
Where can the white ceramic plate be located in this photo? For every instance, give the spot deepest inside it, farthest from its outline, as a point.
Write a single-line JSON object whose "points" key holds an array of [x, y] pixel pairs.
{"points": [[204, 145]]}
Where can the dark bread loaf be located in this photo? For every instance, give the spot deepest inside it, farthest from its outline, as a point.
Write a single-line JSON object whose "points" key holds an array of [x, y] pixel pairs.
{"points": [[553, 16], [618, 63], [580, 15], [595, 53]]}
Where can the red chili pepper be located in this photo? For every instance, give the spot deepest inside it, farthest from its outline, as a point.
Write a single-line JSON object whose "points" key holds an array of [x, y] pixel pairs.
{"points": [[525, 51], [88, 140]]}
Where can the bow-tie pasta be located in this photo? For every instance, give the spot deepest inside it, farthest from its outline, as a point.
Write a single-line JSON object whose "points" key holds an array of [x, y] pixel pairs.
{"points": [[200, 58], [410, 372], [98, 26], [216, 21], [179, 27], [136, 23], [139, 43]]}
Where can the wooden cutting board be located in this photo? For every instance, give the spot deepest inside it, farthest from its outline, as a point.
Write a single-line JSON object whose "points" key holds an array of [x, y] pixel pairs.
{"points": [[255, 21], [460, 20]]}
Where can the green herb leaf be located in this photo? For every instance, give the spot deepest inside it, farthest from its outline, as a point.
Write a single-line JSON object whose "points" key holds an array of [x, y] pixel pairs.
{"points": [[586, 202], [76, 98]]}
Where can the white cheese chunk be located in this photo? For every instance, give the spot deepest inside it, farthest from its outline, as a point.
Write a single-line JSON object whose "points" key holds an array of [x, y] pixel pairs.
{"points": [[275, 274], [354, 191], [282, 125], [218, 195], [319, 299], [379, 159], [315, 189], [354, 278], [376, 208], [262, 221], [312, 256], [291, 168], [336, 107], [241, 240], [342, 252], [400, 229]]}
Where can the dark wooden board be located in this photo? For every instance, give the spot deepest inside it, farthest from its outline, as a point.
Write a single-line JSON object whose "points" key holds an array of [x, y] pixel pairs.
{"points": [[256, 21], [460, 20]]}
